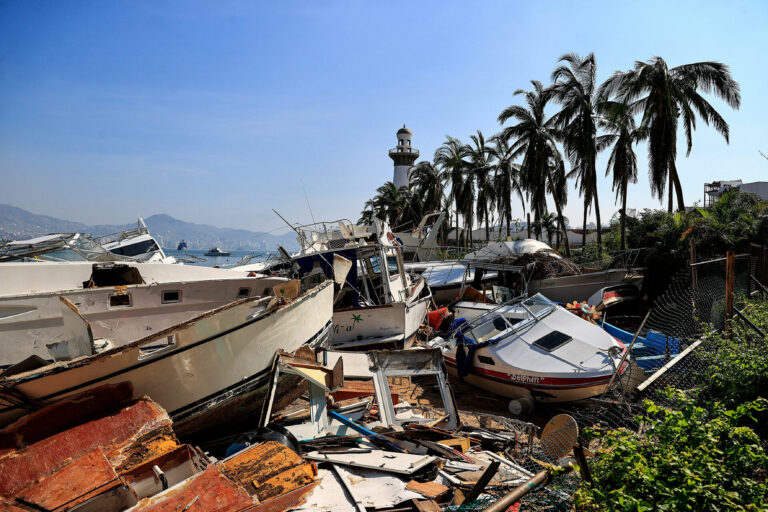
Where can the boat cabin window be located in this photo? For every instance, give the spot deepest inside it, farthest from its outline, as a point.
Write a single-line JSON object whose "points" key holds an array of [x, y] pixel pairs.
{"points": [[122, 300], [243, 293], [485, 360], [113, 275], [171, 296], [552, 341], [136, 249]]}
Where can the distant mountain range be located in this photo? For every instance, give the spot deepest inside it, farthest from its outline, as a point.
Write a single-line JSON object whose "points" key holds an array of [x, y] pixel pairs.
{"points": [[18, 224]]}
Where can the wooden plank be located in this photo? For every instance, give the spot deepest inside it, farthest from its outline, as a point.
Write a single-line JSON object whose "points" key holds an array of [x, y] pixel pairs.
{"points": [[78, 481], [427, 506], [430, 490], [459, 444], [268, 470], [209, 491], [138, 433], [661, 371]]}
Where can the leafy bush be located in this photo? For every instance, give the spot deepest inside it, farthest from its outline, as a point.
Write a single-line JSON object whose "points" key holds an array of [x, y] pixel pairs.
{"points": [[694, 458], [737, 366]]}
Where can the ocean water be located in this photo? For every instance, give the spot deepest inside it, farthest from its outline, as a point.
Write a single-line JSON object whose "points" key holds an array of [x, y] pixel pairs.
{"points": [[220, 261]]}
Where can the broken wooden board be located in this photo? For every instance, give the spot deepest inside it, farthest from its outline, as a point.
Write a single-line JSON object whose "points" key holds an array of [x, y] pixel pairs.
{"points": [[140, 432], [268, 470], [429, 490], [64, 415], [458, 443], [390, 462], [78, 481], [427, 506], [210, 491]]}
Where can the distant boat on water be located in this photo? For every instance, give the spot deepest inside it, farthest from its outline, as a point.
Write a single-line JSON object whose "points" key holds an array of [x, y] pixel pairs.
{"points": [[215, 251]]}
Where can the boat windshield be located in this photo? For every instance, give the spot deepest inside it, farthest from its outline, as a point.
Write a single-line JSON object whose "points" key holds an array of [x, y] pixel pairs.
{"points": [[538, 305], [492, 327], [497, 323]]}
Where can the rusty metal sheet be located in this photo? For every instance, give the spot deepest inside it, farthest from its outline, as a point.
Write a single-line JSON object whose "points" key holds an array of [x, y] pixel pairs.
{"points": [[76, 482], [140, 432], [268, 470], [64, 415], [209, 491]]}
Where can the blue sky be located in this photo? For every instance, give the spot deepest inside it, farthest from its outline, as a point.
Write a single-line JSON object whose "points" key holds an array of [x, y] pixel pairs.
{"points": [[217, 112]]}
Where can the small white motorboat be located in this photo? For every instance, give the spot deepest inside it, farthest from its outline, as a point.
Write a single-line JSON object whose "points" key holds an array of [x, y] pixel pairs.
{"points": [[532, 349]]}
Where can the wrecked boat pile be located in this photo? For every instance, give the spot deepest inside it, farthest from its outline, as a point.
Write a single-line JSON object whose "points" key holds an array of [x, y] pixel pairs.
{"points": [[146, 386], [350, 443]]}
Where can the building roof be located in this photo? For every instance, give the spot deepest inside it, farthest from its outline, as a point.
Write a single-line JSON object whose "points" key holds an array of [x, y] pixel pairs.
{"points": [[404, 130]]}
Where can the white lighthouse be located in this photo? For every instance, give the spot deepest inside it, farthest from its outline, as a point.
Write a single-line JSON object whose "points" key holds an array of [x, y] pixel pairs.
{"points": [[404, 155]]}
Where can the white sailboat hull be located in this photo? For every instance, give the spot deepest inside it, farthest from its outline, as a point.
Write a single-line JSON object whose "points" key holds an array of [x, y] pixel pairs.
{"points": [[209, 360], [30, 322]]}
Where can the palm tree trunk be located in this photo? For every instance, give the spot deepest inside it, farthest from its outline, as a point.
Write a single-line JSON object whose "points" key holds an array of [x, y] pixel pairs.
{"points": [[669, 194], [678, 188], [560, 218], [529, 224], [487, 228], [599, 228], [584, 227], [623, 214]]}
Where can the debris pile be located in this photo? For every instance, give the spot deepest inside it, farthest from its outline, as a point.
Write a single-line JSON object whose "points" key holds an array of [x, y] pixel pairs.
{"points": [[350, 442]]}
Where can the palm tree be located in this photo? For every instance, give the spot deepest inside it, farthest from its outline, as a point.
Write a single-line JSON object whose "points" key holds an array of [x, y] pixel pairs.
{"points": [[622, 162], [549, 224], [534, 138], [574, 87], [390, 202], [480, 157], [665, 96], [505, 180], [427, 185], [368, 213], [450, 157]]}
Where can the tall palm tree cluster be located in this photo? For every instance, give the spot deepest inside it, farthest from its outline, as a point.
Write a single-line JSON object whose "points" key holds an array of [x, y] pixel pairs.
{"points": [[527, 158]]}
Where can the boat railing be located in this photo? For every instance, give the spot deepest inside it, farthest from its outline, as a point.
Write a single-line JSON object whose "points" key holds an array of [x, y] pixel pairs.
{"points": [[122, 235], [482, 318], [84, 246]]}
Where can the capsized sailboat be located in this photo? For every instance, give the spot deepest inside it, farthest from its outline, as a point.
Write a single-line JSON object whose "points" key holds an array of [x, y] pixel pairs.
{"points": [[533, 348]]}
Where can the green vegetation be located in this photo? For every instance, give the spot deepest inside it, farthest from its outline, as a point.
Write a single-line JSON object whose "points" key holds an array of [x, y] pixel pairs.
{"points": [[730, 224], [737, 365], [694, 458], [706, 451], [528, 157]]}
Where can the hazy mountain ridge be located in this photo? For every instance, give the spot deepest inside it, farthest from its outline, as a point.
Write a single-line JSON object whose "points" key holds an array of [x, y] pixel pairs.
{"points": [[17, 223]]}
